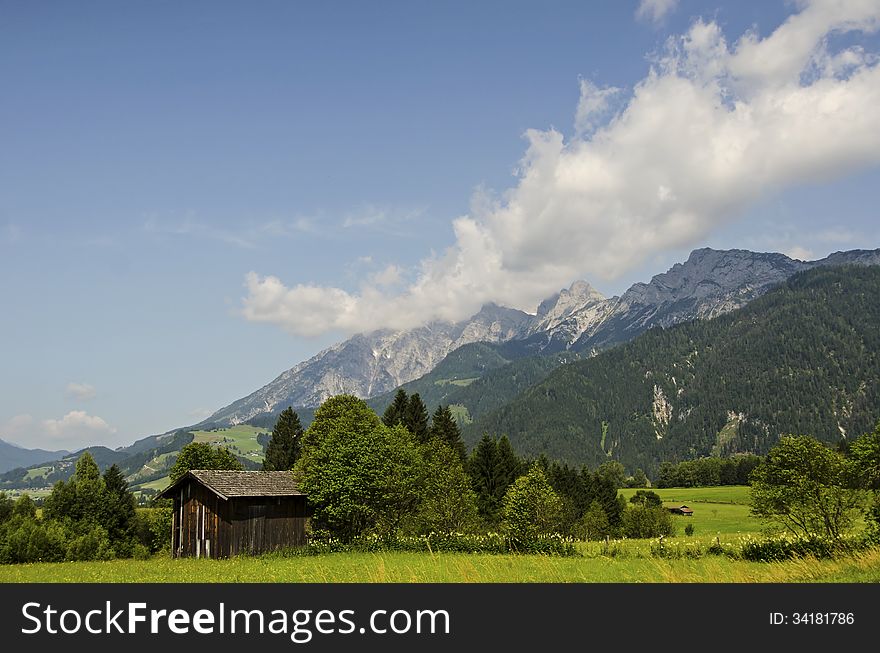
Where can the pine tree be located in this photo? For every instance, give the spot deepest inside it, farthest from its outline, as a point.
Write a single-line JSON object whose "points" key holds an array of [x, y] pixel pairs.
{"points": [[415, 418], [445, 428], [285, 444], [119, 509], [89, 489], [483, 469], [396, 411], [510, 467]]}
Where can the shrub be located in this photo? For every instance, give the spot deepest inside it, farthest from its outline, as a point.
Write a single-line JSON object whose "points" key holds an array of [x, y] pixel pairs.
{"points": [[93, 545], [28, 540], [647, 498], [531, 509], [643, 522], [152, 526], [786, 547], [689, 530], [594, 525]]}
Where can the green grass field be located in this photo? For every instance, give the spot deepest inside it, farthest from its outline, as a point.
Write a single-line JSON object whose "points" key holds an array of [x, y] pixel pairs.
{"points": [[448, 568], [718, 511], [241, 440], [38, 472], [159, 484]]}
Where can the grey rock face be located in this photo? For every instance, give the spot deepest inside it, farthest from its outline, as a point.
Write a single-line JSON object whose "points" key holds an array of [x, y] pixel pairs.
{"points": [[373, 363], [709, 283]]}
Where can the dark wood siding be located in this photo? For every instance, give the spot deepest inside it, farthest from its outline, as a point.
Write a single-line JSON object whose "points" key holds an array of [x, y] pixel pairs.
{"points": [[261, 524], [205, 525]]}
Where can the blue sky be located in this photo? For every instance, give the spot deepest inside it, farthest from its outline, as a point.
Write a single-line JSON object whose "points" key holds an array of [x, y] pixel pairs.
{"points": [[350, 157]]}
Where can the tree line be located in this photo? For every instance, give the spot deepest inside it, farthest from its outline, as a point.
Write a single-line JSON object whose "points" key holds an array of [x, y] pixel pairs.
{"points": [[406, 473], [92, 516], [816, 491]]}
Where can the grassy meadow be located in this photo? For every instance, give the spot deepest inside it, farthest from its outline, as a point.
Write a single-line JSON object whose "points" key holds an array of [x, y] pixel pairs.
{"points": [[241, 440], [720, 513], [393, 567]]}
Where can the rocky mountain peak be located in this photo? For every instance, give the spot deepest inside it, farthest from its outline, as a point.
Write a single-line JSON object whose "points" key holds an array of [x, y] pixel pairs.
{"points": [[710, 282], [711, 273]]}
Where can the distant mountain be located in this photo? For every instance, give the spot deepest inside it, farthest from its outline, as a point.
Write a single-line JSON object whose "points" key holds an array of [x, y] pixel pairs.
{"points": [[477, 365], [146, 462], [370, 364], [803, 358], [578, 321], [12, 456]]}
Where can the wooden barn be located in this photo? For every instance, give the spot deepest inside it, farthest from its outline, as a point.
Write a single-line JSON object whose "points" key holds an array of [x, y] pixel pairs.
{"points": [[682, 510], [222, 513]]}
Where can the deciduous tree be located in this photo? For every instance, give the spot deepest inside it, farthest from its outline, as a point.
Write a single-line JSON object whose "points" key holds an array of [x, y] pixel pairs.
{"points": [[531, 508], [201, 455], [806, 487]]}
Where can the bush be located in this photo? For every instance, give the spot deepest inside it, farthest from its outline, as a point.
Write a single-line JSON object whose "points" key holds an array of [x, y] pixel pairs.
{"points": [[28, 540], [531, 509], [647, 498], [786, 547], [594, 525], [643, 522], [94, 545], [152, 527], [689, 530]]}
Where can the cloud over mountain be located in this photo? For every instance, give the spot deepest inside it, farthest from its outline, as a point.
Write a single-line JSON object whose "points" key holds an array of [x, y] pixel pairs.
{"points": [[714, 127]]}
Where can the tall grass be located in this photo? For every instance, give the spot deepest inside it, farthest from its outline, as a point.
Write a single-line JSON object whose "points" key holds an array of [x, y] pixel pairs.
{"points": [[404, 567]]}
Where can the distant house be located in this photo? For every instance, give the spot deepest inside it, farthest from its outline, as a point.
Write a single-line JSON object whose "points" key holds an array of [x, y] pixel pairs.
{"points": [[681, 510], [222, 513]]}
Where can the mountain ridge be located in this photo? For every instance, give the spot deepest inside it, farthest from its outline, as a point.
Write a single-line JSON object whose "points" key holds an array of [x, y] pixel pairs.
{"points": [[580, 319], [803, 358]]}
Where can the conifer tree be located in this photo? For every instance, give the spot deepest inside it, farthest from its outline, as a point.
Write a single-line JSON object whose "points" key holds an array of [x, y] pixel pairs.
{"points": [[285, 444], [119, 509], [493, 467], [416, 418], [510, 467], [445, 428], [396, 411]]}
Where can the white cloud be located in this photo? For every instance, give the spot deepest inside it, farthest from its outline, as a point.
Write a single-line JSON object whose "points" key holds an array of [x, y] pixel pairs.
{"points": [[75, 430], [800, 253], [190, 226], [248, 235], [382, 218], [200, 413], [593, 107], [296, 226], [713, 128], [80, 391], [655, 10]]}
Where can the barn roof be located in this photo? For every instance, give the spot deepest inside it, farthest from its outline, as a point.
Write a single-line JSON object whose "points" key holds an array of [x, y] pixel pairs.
{"points": [[227, 483]]}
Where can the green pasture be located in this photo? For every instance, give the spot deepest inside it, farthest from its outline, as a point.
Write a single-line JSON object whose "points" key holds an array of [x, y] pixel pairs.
{"points": [[718, 511], [159, 484], [449, 568], [38, 472], [241, 440], [462, 383], [737, 494]]}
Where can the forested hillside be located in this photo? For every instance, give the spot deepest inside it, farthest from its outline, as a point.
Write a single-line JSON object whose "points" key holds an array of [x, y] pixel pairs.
{"points": [[805, 358]]}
